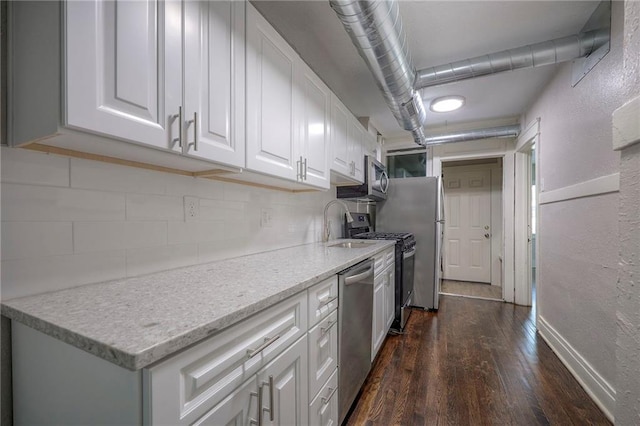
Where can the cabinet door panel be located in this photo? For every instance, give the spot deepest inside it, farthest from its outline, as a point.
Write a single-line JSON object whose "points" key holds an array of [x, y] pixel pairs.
{"points": [[238, 409], [378, 326], [390, 296], [339, 142], [323, 352], [290, 387], [116, 78], [214, 89], [323, 410], [271, 132], [316, 111]]}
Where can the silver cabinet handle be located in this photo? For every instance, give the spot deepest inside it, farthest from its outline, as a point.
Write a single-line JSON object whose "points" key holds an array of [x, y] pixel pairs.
{"points": [[267, 341], [326, 300], [305, 169], [300, 175], [194, 144], [325, 400], [323, 330], [179, 138], [486, 235], [271, 410], [259, 395]]}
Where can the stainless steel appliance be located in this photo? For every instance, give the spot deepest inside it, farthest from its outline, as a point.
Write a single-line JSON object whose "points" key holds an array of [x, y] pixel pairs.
{"points": [[405, 250], [355, 316], [375, 186], [416, 205]]}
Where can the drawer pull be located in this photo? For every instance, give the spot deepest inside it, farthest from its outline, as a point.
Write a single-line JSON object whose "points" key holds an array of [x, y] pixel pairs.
{"points": [[326, 400], [326, 300], [267, 341], [271, 398], [323, 330], [253, 421]]}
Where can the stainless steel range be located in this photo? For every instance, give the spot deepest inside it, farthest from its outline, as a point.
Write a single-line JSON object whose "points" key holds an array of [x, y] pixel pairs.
{"points": [[361, 228]]}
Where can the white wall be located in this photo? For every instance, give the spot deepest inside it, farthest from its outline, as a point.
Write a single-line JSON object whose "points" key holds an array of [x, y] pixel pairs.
{"points": [[628, 306], [578, 237], [69, 221]]}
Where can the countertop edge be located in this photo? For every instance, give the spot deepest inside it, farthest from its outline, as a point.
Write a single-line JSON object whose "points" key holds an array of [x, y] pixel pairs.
{"points": [[162, 350]]}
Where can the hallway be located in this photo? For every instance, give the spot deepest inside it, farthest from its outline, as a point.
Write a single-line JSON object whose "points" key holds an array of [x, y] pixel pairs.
{"points": [[475, 362]]}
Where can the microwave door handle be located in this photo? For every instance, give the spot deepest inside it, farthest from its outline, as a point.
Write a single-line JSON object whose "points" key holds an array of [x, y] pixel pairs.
{"points": [[384, 181]]}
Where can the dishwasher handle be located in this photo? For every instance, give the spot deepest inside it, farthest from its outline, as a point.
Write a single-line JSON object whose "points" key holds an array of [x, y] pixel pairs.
{"points": [[351, 279]]}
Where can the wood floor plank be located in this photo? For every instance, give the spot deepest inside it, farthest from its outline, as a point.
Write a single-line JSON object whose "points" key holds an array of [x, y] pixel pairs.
{"points": [[475, 362]]}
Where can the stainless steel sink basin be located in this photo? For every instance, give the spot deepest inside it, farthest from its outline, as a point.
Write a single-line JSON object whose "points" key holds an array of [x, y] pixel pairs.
{"points": [[352, 244]]}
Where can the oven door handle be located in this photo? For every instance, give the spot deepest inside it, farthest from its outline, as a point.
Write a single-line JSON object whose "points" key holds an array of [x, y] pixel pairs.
{"points": [[409, 254]]}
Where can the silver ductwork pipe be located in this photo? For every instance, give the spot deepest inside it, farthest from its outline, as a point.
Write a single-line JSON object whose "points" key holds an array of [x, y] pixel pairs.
{"points": [[375, 28], [545, 53], [511, 131]]}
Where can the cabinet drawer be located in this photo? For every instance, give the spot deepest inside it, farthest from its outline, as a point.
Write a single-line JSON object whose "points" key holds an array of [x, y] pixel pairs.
{"points": [[323, 410], [323, 298], [323, 352], [185, 386], [390, 256]]}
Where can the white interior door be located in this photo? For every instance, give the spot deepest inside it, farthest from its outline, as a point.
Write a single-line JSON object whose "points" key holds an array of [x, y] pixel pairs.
{"points": [[467, 253]]}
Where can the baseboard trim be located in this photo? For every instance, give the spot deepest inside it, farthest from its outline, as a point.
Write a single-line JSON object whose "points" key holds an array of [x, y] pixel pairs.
{"points": [[589, 188], [595, 385]]}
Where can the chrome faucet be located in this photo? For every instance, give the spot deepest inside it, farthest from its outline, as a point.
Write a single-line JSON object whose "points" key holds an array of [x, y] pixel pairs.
{"points": [[326, 228]]}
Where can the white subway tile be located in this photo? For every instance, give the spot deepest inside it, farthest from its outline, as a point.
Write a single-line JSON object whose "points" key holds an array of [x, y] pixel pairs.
{"points": [[237, 192], [194, 232], [42, 203], [216, 210], [197, 187], [35, 239], [154, 207], [24, 277], [112, 177], [145, 234], [153, 259], [97, 236], [32, 167]]}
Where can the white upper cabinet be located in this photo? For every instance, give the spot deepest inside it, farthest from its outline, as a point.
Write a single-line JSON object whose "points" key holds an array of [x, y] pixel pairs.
{"points": [[347, 158], [124, 70], [129, 75], [314, 130], [214, 87], [288, 109], [271, 100]]}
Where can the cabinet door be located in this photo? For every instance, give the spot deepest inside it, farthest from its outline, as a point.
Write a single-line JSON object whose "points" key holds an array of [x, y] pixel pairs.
{"points": [[323, 352], [355, 135], [271, 100], [339, 143], [323, 410], [239, 408], [285, 387], [124, 69], [214, 87], [314, 130], [378, 326], [389, 296]]}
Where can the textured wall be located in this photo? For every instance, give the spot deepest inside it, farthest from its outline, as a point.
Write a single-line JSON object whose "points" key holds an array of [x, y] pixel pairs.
{"points": [[578, 238], [628, 312], [67, 221]]}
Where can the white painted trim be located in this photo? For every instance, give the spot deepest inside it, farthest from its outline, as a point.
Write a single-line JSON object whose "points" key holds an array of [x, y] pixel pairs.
{"points": [[593, 383], [597, 186], [626, 125], [531, 131]]}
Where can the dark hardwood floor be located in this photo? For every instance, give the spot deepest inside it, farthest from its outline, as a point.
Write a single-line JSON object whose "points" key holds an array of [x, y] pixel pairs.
{"points": [[475, 362]]}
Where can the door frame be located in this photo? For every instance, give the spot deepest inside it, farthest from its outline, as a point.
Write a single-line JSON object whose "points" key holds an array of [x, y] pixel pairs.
{"points": [[522, 197], [507, 213]]}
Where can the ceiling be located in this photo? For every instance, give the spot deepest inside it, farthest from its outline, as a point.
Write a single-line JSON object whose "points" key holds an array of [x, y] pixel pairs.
{"points": [[439, 32]]}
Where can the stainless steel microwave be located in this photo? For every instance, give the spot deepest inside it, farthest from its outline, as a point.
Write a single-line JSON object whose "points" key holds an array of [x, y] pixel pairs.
{"points": [[376, 183]]}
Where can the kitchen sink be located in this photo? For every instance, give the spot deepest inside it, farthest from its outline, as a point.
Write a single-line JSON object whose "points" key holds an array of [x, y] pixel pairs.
{"points": [[352, 244]]}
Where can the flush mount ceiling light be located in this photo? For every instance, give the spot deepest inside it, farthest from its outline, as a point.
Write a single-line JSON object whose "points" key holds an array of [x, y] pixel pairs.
{"points": [[447, 103]]}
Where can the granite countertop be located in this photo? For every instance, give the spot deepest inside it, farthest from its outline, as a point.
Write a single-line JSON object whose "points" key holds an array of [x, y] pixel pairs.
{"points": [[135, 322]]}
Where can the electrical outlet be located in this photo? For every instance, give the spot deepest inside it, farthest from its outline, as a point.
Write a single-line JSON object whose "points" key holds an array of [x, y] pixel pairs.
{"points": [[266, 218], [191, 208]]}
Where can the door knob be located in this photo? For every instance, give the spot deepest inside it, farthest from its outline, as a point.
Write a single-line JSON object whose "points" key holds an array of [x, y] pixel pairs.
{"points": [[486, 235]]}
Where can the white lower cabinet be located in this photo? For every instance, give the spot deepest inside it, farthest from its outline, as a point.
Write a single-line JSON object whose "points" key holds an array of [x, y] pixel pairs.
{"points": [[323, 410], [323, 352], [383, 298]]}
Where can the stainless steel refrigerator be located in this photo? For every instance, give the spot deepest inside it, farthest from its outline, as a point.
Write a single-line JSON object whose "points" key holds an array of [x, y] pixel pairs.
{"points": [[416, 205]]}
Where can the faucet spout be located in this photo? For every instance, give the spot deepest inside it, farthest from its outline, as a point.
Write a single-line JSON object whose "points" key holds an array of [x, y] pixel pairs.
{"points": [[325, 224]]}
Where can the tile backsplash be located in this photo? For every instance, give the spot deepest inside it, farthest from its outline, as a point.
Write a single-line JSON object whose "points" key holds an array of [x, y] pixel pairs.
{"points": [[69, 221]]}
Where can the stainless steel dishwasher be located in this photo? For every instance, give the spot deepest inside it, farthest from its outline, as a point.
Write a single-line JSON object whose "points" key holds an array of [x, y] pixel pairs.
{"points": [[355, 311]]}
